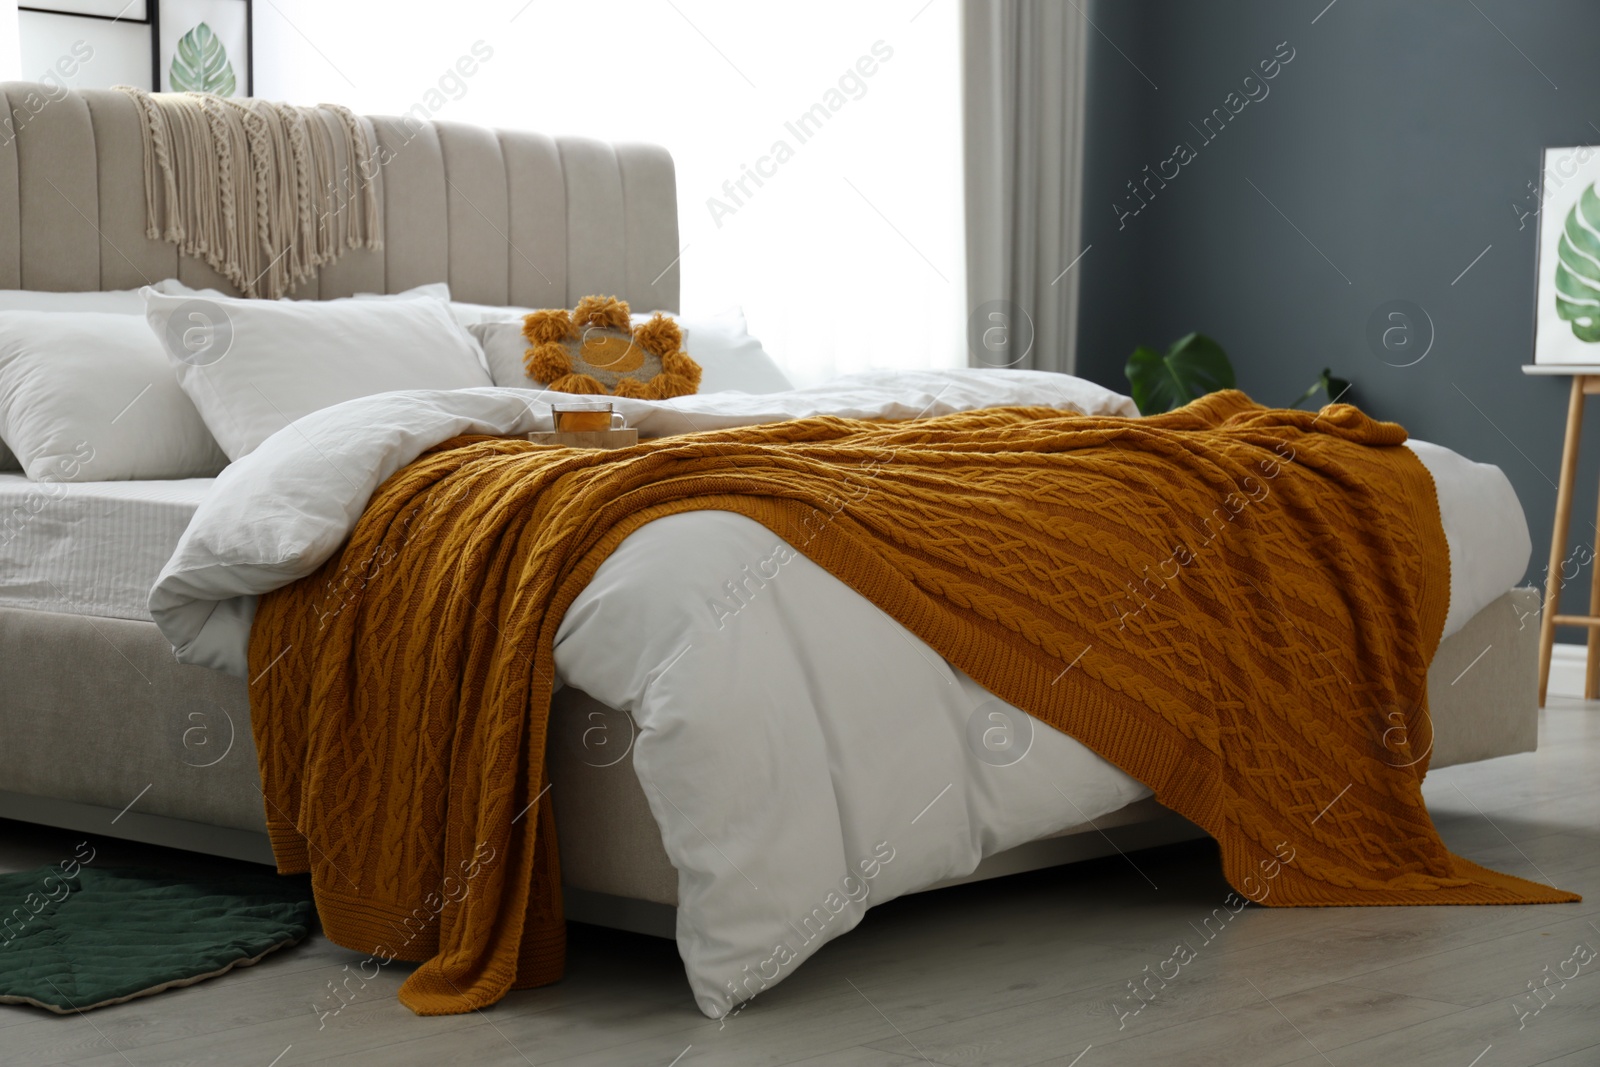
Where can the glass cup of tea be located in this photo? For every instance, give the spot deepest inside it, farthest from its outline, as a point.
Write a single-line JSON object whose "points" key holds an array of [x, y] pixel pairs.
{"points": [[585, 416]]}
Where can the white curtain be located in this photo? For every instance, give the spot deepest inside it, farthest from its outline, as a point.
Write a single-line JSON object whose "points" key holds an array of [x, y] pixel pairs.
{"points": [[1023, 116]]}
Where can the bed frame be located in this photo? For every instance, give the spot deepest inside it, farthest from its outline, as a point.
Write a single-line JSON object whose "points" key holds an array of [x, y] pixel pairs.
{"points": [[101, 731]]}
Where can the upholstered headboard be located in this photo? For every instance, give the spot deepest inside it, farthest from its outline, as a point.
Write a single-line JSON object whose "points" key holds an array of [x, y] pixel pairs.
{"points": [[504, 217]]}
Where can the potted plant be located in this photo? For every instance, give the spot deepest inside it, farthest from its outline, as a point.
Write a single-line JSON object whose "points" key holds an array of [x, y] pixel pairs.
{"points": [[1193, 366]]}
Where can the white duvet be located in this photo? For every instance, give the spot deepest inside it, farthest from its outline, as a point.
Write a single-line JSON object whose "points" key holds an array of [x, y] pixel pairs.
{"points": [[804, 755]]}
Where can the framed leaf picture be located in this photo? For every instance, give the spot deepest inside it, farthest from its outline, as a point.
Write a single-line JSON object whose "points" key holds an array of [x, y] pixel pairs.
{"points": [[203, 46], [1567, 322]]}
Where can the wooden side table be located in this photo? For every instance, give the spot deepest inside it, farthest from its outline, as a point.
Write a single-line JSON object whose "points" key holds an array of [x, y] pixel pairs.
{"points": [[1585, 382]]}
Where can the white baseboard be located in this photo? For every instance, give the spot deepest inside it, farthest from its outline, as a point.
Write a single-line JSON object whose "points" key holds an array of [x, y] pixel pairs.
{"points": [[1567, 663]]}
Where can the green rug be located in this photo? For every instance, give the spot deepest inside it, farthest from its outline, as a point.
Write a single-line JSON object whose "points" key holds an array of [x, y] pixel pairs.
{"points": [[101, 937]]}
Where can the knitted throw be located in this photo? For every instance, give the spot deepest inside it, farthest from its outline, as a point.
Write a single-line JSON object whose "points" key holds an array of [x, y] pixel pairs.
{"points": [[1248, 598], [264, 193]]}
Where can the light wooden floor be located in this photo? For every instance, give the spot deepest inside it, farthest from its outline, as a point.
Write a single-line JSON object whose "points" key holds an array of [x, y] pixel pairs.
{"points": [[1017, 971]]}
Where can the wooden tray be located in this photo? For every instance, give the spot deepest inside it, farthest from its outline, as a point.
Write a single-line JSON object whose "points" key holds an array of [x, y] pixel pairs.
{"points": [[591, 439]]}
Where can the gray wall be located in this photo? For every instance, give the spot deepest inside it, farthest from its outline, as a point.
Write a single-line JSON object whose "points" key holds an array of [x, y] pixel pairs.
{"points": [[1396, 141]]}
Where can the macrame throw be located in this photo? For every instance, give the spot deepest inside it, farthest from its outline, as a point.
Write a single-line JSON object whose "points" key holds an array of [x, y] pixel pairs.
{"points": [[263, 193]]}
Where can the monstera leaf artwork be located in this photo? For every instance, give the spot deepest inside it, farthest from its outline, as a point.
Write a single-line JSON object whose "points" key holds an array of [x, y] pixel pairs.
{"points": [[201, 65], [1578, 268]]}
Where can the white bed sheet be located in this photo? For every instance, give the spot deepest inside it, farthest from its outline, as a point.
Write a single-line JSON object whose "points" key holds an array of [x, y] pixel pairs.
{"points": [[90, 548], [1484, 525], [805, 759]]}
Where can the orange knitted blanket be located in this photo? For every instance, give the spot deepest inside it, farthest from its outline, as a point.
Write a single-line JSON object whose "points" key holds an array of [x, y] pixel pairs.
{"points": [[1249, 600]]}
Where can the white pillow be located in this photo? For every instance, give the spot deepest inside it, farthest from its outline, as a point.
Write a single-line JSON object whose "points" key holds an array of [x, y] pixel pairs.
{"points": [[91, 397], [173, 287], [254, 366], [115, 301], [431, 291], [473, 314], [730, 359]]}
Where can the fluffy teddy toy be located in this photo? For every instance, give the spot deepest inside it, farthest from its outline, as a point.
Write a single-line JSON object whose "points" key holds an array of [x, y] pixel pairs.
{"points": [[595, 349]]}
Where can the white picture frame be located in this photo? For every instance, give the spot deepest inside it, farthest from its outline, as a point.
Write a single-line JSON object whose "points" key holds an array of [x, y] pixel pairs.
{"points": [[1565, 334], [228, 22]]}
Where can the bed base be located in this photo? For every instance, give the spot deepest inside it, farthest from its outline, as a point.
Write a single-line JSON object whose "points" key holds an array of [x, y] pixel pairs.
{"points": [[102, 732]]}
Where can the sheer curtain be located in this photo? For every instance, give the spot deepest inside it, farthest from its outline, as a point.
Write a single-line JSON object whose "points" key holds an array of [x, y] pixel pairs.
{"points": [[818, 146], [1023, 102]]}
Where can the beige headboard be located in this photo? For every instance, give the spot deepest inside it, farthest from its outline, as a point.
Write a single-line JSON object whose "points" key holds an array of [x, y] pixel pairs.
{"points": [[505, 217]]}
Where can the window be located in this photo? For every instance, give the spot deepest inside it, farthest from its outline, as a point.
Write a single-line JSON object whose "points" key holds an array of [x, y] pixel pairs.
{"points": [[817, 146]]}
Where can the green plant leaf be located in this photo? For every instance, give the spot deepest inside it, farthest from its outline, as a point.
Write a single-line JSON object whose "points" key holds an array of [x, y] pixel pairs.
{"points": [[1194, 366], [1578, 268], [200, 64], [1335, 388]]}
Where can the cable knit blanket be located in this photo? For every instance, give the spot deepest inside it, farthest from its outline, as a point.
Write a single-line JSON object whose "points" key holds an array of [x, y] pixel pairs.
{"points": [[1235, 605]]}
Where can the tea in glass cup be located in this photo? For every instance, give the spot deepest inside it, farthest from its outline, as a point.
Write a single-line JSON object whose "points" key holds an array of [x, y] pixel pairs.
{"points": [[585, 416]]}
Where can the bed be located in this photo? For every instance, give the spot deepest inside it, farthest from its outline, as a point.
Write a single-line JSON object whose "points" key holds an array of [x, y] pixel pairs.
{"points": [[104, 732]]}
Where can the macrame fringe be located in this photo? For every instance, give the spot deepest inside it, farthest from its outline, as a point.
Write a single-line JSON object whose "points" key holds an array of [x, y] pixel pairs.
{"points": [[263, 193]]}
